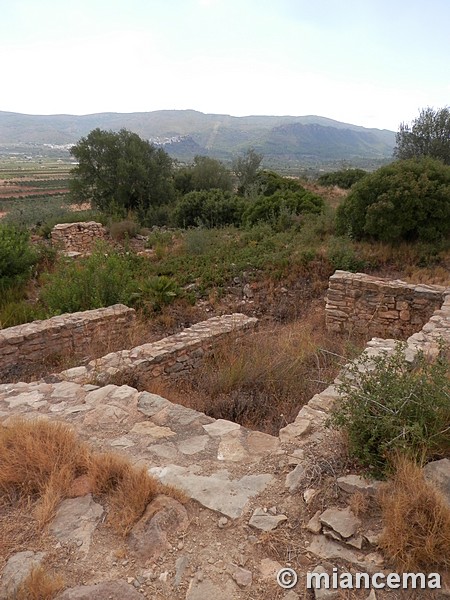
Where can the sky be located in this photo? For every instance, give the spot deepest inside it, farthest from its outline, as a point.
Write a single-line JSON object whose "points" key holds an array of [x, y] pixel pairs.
{"points": [[374, 63]]}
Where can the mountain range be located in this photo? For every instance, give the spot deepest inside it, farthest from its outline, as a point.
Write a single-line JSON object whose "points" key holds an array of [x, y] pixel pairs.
{"points": [[185, 133]]}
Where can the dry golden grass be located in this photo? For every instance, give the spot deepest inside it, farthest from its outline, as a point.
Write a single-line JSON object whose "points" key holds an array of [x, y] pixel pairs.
{"points": [[359, 503], [262, 380], [40, 460], [416, 520], [40, 585]]}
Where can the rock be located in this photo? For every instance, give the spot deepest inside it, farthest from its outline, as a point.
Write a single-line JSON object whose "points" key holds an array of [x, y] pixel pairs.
{"points": [[309, 495], [181, 564], [163, 517], [230, 448], [269, 568], [16, 570], [220, 427], [356, 483], [343, 521], [152, 430], [372, 595], [247, 291], [294, 478], [76, 520], [193, 445], [373, 537], [108, 590], [320, 592], [314, 525], [222, 522], [330, 550], [438, 473], [265, 521], [241, 576], [291, 596], [215, 491], [292, 432]]}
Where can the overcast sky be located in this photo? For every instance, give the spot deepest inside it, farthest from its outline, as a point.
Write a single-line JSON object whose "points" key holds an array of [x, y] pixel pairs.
{"points": [[368, 62]]}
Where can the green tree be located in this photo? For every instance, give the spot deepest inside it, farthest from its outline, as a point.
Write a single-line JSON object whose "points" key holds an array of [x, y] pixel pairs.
{"points": [[120, 171], [246, 169], [405, 200], [205, 174], [429, 135], [210, 208]]}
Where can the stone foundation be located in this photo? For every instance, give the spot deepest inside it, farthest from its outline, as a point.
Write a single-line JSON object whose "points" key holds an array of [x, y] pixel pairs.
{"points": [[25, 345], [77, 237], [362, 304], [170, 357]]}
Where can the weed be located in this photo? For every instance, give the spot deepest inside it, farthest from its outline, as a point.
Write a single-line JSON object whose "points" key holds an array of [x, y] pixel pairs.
{"points": [[387, 405], [416, 520], [40, 585]]}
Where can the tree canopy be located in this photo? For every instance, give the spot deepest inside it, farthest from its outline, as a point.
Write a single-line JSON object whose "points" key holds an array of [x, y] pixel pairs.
{"points": [[428, 135], [405, 200], [246, 169], [121, 171], [204, 174]]}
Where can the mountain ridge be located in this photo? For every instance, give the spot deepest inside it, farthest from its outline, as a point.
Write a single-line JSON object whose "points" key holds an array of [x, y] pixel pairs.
{"points": [[186, 132]]}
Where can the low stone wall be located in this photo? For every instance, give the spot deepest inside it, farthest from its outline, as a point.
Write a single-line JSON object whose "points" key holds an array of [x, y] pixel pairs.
{"points": [[25, 345], [371, 306], [77, 237], [172, 356]]}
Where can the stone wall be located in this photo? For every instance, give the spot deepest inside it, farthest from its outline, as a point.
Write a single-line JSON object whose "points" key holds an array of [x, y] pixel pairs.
{"points": [[25, 345], [77, 237], [172, 356], [372, 306]]}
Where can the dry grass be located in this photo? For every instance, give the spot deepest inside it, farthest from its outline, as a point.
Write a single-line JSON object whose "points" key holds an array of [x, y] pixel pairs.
{"points": [[40, 460], [261, 380], [359, 503], [416, 520], [40, 585]]}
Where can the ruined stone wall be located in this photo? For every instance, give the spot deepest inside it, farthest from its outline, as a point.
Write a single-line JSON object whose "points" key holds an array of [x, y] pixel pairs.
{"points": [[77, 237], [24, 345], [372, 306], [172, 356]]}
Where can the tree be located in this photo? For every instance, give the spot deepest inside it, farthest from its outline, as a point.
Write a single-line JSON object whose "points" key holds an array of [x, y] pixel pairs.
{"points": [[205, 174], [429, 135], [405, 200], [121, 171], [246, 169]]}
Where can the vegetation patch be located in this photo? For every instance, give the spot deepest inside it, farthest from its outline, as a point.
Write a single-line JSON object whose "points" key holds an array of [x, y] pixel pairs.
{"points": [[389, 405], [416, 520]]}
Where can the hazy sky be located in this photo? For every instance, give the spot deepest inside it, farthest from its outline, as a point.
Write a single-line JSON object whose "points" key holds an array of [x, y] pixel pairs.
{"points": [[368, 62]]}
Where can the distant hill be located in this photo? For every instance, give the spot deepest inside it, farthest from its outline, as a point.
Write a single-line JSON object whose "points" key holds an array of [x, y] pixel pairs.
{"points": [[185, 133]]}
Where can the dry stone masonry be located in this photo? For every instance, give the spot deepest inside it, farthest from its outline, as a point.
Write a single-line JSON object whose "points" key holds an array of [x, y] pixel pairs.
{"points": [[77, 238], [231, 472], [172, 356], [76, 333], [372, 306]]}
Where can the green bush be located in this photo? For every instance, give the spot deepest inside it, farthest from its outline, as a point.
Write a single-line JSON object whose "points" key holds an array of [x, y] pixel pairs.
{"points": [[16, 255], [342, 255], [345, 178], [157, 292], [407, 200], [210, 208], [388, 405], [271, 209], [102, 279]]}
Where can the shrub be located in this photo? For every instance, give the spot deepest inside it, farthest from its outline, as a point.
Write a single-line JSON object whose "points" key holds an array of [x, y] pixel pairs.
{"points": [[123, 230], [345, 178], [211, 208], [389, 405], [158, 291], [274, 208], [16, 255], [102, 279], [342, 255], [416, 520], [406, 200]]}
